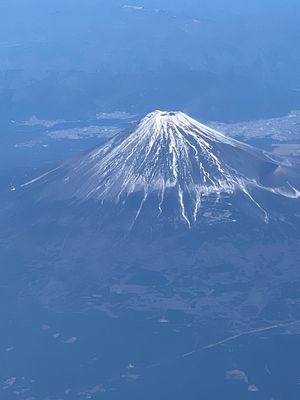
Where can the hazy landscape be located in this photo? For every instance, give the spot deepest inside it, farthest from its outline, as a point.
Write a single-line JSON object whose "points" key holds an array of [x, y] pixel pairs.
{"points": [[150, 200]]}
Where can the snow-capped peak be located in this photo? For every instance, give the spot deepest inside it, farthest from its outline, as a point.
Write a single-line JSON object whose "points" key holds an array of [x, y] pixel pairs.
{"points": [[167, 154]]}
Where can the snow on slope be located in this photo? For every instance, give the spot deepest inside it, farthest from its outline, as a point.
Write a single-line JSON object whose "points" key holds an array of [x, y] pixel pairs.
{"points": [[169, 152]]}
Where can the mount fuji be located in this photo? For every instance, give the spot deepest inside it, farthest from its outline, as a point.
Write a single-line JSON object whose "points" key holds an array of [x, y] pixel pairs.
{"points": [[171, 168]]}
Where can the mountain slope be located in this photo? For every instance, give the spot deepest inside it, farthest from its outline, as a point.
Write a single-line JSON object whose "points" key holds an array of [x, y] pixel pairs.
{"points": [[172, 161]]}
